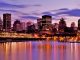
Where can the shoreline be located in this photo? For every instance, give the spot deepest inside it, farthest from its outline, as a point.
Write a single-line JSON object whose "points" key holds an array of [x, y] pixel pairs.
{"points": [[73, 39]]}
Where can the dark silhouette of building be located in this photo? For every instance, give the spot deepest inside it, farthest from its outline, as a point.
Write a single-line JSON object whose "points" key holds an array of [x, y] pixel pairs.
{"points": [[39, 22], [46, 20], [17, 26], [7, 22], [73, 29], [62, 25], [1, 26], [31, 29], [79, 24], [55, 28], [23, 26]]}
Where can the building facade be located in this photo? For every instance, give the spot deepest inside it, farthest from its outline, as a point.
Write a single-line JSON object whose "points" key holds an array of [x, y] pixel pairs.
{"points": [[39, 23], [17, 26], [62, 25], [6, 22], [79, 24], [23, 26], [1, 24], [44, 22]]}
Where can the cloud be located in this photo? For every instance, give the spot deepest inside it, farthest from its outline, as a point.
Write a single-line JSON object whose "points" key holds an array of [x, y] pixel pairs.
{"points": [[13, 11], [63, 11], [73, 12], [37, 5], [8, 5], [30, 17], [34, 13], [54, 12], [47, 13], [58, 18], [58, 10]]}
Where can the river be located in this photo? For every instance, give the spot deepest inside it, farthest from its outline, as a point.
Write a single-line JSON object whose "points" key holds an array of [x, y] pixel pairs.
{"points": [[39, 50]]}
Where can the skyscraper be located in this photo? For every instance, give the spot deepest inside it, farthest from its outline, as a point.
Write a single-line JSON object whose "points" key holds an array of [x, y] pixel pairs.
{"points": [[7, 22], [62, 25], [1, 24], [23, 26], [46, 21], [17, 26], [79, 24], [39, 23]]}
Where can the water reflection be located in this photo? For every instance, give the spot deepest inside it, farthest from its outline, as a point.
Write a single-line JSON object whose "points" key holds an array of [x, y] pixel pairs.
{"points": [[39, 50]]}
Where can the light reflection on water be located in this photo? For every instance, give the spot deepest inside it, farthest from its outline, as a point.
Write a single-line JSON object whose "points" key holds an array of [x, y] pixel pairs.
{"points": [[39, 50]]}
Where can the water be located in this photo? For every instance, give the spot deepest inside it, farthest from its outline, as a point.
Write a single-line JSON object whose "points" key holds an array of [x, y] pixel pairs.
{"points": [[39, 50]]}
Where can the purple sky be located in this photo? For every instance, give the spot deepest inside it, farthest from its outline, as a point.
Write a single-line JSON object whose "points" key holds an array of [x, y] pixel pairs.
{"points": [[32, 9]]}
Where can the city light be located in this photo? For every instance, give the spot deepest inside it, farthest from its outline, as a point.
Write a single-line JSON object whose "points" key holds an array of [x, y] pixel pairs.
{"points": [[43, 29]]}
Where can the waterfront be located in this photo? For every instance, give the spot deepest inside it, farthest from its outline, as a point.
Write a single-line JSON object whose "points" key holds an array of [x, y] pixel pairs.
{"points": [[39, 50]]}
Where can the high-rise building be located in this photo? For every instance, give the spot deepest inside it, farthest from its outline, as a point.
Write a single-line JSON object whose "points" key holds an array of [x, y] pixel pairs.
{"points": [[17, 26], [79, 24], [73, 28], [7, 22], [1, 26], [23, 26], [30, 27], [62, 25], [45, 21], [39, 23]]}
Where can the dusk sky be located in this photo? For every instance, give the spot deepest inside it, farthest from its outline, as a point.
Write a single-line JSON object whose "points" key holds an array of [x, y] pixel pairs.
{"points": [[32, 9]]}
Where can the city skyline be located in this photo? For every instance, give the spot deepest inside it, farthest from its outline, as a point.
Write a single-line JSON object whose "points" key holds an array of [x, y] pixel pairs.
{"points": [[25, 10]]}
